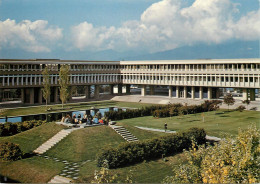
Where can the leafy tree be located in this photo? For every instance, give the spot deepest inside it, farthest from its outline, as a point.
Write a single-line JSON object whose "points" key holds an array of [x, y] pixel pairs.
{"points": [[229, 100], [46, 85], [64, 83], [247, 102]]}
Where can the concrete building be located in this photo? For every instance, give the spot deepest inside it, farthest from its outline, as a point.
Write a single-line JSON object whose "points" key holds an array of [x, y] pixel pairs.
{"points": [[183, 78]]}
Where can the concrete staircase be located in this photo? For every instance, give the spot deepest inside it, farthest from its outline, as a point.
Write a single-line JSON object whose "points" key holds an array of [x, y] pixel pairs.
{"points": [[52, 141], [124, 133], [60, 179]]}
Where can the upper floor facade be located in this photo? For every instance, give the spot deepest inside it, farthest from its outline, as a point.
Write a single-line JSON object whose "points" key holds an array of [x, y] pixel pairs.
{"points": [[238, 73]]}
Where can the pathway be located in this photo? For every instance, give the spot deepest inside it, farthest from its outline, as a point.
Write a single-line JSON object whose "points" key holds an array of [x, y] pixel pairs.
{"points": [[52, 141], [209, 138], [124, 133]]}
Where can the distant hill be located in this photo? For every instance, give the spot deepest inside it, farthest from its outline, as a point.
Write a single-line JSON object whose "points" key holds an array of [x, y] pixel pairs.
{"points": [[230, 50], [238, 49]]}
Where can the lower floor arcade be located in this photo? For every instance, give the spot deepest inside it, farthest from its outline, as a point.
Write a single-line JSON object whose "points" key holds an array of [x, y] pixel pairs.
{"points": [[34, 95]]}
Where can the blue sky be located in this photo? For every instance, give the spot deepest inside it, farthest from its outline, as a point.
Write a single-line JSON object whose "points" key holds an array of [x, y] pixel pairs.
{"points": [[148, 26]]}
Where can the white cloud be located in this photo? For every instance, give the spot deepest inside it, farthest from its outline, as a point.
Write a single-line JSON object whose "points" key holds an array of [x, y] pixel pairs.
{"points": [[30, 36], [167, 24]]}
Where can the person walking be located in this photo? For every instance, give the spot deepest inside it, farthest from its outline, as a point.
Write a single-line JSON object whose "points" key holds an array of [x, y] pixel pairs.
{"points": [[165, 127]]}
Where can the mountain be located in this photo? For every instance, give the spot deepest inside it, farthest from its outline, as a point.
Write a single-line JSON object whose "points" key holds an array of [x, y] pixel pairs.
{"points": [[231, 50], [228, 50]]}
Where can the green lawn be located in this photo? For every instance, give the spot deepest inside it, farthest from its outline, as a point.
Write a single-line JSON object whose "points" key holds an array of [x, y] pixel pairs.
{"points": [[31, 170], [84, 144], [33, 138], [145, 172], [217, 123], [71, 107]]}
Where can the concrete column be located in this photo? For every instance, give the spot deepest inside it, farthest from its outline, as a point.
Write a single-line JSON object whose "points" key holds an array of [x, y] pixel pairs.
{"points": [[87, 92], [111, 89], [245, 94], [217, 93], [56, 98], [96, 94], [252, 94], [177, 92], [209, 93], [193, 92], [185, 91], [119, 88], [1, 95], [143, 90], [170, 91], [151, 90], [40, 96], [31, 95], [201, 92], [127, 89]]}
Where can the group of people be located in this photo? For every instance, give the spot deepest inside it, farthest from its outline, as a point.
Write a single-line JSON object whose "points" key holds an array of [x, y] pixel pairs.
{"points": [[85, 119]]}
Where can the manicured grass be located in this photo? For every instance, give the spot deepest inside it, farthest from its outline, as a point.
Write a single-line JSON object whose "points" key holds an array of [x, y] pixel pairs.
{"points": [[33, 138], [31, 170], [145, 172], [83, 144], [217, 123], [71, 107]]}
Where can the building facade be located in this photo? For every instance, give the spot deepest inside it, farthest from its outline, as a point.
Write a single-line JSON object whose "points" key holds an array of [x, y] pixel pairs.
{"points": [[184, 78]]}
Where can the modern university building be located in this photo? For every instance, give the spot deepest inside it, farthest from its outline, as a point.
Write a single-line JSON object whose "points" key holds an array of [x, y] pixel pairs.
{"points": [[194, 79]]}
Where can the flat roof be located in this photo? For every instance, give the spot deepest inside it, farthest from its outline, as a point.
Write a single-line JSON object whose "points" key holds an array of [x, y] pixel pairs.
{"points": [[138, 62], [54, 61], [195, 61]]}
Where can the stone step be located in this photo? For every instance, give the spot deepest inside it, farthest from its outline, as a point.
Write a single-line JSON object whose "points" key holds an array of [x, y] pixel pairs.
{"points": [[52, 141], [60, 179]]}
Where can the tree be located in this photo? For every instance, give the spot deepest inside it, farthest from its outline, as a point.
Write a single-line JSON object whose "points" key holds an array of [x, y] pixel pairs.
{"points": [[64, 83], [46, 85], [247, 102], [229, 100]]}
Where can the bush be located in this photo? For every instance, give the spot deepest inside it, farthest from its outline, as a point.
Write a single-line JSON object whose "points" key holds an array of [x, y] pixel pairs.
{"points": [[10, 151], [7, 129], [134, 152], [253, 109], [240, 108], [229, 161]]}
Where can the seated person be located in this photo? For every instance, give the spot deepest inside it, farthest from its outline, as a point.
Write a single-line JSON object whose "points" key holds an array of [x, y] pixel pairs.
{"points": [[95, 120], [84, 119], [101, 121], [67, 119], [79, 117], [62, 119]]}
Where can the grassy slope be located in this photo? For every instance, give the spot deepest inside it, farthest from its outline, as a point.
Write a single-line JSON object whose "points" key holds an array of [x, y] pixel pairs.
{"points": [[34, 169], [33, 138], [84, 144], [79, 106], [31, 170], [145, 172], [217, 124]]}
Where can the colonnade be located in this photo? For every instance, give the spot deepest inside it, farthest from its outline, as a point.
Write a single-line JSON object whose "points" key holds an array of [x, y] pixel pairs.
{"points": [[35, 95]]}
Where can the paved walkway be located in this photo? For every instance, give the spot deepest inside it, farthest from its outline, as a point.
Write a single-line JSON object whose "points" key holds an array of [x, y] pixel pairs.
{"points": [[210, 138], [155, 130]]}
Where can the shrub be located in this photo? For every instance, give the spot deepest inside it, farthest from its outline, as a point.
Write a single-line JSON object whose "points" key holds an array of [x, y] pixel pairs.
{"points": [[134, 152], [7, 129], [253, 109], [10, 151], [229, 161], [240, 108]]}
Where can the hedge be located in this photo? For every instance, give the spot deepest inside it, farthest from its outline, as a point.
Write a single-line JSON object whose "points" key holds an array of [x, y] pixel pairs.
{"points": [[162, 111], [10, 151], [134, 152], [7, 129]]}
